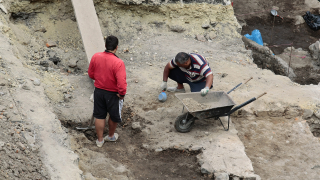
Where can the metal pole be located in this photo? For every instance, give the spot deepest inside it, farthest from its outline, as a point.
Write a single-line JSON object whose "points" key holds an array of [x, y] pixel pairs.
{"points": [[274, 18], [290, 59]]}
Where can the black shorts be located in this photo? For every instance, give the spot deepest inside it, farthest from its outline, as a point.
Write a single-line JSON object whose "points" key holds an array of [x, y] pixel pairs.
{"points": [[107, 102]]}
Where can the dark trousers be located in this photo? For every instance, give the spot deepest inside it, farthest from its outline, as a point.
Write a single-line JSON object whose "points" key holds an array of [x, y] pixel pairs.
{"points": [[177, 75]]}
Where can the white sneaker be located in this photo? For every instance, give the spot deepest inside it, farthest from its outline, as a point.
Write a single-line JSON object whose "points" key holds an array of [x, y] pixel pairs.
{"points": [[99, 144], [112, 139], [175, 89]]}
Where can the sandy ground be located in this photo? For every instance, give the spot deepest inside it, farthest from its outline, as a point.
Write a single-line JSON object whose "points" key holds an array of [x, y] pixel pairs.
{"points": [[148, 139]]}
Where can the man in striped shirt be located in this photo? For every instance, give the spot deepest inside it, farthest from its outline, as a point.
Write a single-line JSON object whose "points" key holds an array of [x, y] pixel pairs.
{"points": [[192, 69]]}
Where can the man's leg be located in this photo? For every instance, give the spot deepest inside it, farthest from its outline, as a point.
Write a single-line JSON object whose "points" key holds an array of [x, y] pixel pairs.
{"points": [[100, 124], [115, 106], [100, 113], [112, 127], [180, 86], [177, 75]]}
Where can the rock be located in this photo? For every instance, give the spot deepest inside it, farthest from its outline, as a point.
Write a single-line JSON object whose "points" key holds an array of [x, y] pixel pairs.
{"points": [[224, 75], [298, 20], [275, 8], [2, 108], [51, 44], [51, 53], [3, 82], [36, 82], [145, 132], [1, 144], [213, 24], [177, 28], [41, 29], [29, 139], [10, 106], [314, 50], [25, 87], [195, 148], [221, 176], [3, 9], [205, 26], [121, 169], [67, 97], [235, 178], [211, 35], [317, 113], [206, 168], [21, 146], [307, 114], [44, 63], [73, 62], [146, 146], [200, 37], [136, 125], [91, 98], [158, 150]]}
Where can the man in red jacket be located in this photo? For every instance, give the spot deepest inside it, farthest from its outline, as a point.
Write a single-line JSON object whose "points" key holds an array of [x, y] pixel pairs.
{"points": [[109, 74]]}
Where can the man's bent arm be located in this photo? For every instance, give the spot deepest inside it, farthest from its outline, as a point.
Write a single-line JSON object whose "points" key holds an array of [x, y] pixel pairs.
{"points": [[209, 81], [121, 79], [166, 72]]}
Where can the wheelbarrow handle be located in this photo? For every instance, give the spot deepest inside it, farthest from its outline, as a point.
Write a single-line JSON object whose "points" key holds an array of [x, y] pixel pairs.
{"points": [[261, 95], [239, 85], [245, 103], [248, 80]]}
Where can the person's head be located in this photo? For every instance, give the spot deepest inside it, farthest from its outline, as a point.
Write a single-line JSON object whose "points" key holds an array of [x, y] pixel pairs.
{"points": [[111, 43], [183, 60]]}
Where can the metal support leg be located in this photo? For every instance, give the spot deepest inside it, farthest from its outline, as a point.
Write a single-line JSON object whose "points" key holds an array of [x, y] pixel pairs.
{"points": [[223, 125]]}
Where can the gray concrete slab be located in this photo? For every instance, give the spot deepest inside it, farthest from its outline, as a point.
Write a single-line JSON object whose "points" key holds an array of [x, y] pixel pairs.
{"points": [[89, 27]]}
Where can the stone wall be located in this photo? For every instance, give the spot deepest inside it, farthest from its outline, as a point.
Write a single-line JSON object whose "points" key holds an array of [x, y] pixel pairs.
{"points": [[313, 119], [265, 59]]}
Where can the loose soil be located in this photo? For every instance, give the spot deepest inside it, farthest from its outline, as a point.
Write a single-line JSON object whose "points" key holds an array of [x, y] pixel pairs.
{"points": [[276, 32], [193, 105], [271, 144], [129, 150], [279, 34]]}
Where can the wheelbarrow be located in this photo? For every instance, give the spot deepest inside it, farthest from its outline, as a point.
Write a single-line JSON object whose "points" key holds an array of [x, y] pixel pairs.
{"points": [[215, 105]]}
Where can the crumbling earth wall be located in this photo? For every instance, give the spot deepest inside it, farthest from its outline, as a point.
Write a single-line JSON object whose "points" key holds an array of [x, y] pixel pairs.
{"points": [[265, 59]]}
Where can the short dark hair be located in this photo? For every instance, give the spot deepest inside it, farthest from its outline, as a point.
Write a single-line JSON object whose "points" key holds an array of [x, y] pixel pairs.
{"points": [[182, 57], [111, 43]]}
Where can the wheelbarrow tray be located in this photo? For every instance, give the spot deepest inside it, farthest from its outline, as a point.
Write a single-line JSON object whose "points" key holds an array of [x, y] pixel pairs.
{"points": [[217, 103]]}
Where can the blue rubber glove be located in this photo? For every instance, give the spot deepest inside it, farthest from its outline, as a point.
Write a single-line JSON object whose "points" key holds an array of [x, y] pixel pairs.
{"points": [[204, 91]]}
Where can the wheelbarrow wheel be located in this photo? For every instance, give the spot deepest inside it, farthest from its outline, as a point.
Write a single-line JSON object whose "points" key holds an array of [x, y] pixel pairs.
{"points": [[184, 125]]}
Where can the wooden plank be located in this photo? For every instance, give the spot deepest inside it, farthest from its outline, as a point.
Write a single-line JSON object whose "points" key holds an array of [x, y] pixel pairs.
{"points": [[89, 27]]}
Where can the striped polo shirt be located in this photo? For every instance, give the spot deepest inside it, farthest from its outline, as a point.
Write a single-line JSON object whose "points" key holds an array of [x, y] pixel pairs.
{"points": [[199, 69]]}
